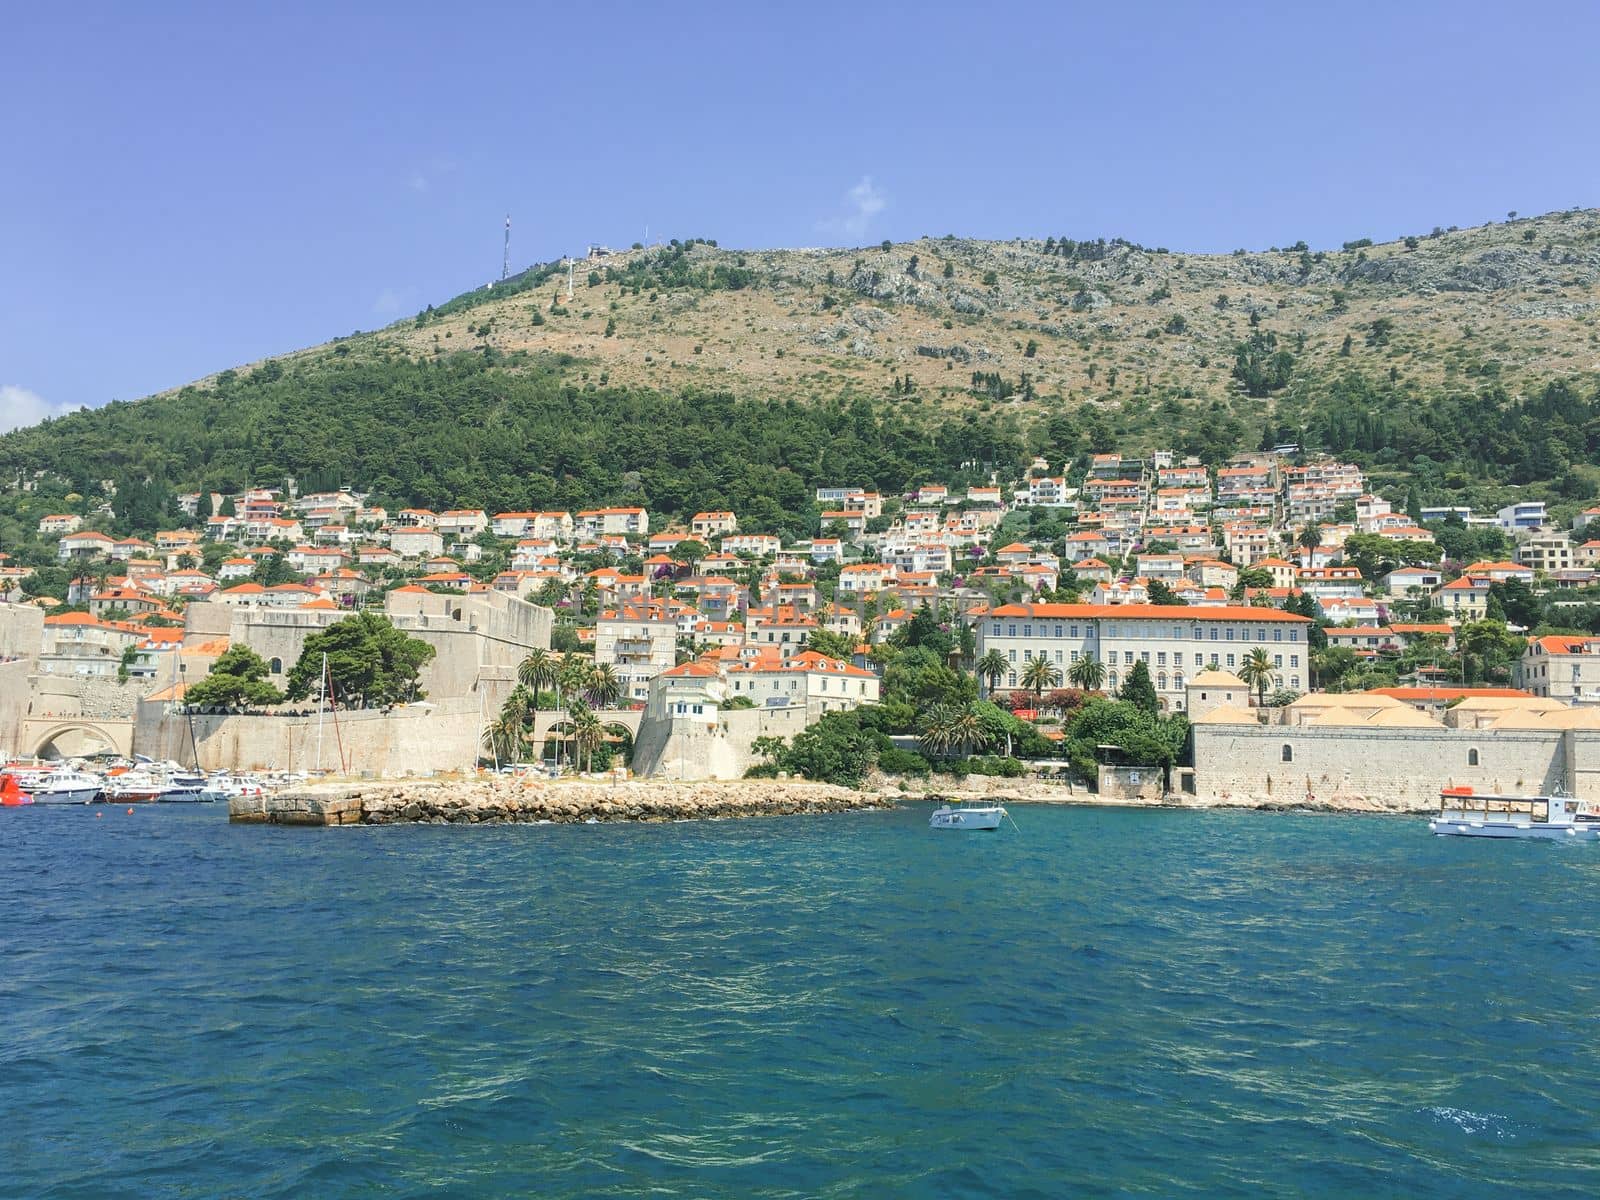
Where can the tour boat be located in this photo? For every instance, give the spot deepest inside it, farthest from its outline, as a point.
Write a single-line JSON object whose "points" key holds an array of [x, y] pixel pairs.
{"points": [[968, 816], [1463, 813]]}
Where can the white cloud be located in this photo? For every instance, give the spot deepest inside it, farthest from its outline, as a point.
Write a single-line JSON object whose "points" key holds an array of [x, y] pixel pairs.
{"points": [[20, 408], [862, 203]]}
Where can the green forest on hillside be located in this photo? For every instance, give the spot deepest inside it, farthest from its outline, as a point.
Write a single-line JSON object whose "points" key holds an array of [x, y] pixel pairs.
{"points": [[472, 430]]}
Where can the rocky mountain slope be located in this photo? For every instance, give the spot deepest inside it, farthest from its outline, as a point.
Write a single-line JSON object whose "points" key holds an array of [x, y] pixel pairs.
{"points": [[1516, 302]]}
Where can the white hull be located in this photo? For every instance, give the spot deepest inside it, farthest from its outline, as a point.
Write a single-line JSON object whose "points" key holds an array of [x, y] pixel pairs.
{"points": [[967, 818], [186, 796], [66, 796], [1449, 827]]}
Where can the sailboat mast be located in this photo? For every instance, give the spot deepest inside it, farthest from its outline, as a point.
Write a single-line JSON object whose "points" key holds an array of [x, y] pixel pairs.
{"points": [[322, 709]]}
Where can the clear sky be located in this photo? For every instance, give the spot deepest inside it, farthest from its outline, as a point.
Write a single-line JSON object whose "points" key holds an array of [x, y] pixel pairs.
{"points": [[190, 186]]}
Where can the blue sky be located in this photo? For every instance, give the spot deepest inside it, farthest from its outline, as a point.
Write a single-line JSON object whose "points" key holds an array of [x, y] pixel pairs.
{"points": [[186, 187]]}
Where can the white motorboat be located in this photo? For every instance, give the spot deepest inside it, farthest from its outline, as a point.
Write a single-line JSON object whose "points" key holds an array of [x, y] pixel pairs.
{"points": [[1463, 813], [968, 816], [60, 787]]}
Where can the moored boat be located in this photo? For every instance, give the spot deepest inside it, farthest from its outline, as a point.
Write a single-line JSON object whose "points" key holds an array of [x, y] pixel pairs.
{"points": [[60, 786], [1465, 813], [968, 816], [133, 787]]}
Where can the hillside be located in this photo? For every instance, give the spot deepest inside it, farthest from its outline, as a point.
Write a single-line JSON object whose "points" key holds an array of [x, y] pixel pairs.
{"points": [[1516, 301], [688, 375]]}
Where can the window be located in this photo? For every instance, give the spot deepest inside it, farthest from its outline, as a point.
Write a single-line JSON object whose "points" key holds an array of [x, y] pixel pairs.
{"points": [[1277, 635], [1012, 654], [1288, 752], [1230, 633], [1261, 635], [1058, 631], [1277, 660], [1294, 660], [1074, 656], [1161, 658], [1011, 631], [276, 666], [1058, 656], [1294, 635], [1161, 681], [1027, 631], [1074, 631], [1127, 657], [1011, 680], [995, 629], [698, 709], [1472, 757], [1213, 634], [1198, 636], [1230, 660]]}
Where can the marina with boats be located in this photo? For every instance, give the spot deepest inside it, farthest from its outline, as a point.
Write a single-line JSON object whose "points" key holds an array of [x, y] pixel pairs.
{"points": [[126, 781]]}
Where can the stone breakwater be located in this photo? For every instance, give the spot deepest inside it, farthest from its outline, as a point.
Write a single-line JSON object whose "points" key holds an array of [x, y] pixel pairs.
{"points": [[473, 802]]}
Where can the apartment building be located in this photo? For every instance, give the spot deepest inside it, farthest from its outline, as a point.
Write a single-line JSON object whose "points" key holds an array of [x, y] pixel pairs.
{"points": [[1175, 642]]}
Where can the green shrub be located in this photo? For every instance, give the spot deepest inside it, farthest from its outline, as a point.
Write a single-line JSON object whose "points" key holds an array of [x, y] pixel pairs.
{"points": [[895, 761]]}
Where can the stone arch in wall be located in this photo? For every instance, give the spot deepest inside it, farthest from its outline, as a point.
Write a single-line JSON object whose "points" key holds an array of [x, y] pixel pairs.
{"points": [[76, 739]]}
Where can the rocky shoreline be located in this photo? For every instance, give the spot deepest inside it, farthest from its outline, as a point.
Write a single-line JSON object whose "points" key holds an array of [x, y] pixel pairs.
{"points": [[500, 801]]}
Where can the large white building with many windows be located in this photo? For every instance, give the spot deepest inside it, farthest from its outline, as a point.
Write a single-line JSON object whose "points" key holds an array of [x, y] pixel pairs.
{"points": [[1175, 642]]}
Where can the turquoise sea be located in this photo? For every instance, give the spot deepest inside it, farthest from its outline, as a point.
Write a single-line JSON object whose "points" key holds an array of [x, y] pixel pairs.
{"points": [[1102, 1003]]}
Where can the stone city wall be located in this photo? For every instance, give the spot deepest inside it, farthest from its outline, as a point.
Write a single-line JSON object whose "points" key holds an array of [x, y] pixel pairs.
{"points": [[1401, 768]]}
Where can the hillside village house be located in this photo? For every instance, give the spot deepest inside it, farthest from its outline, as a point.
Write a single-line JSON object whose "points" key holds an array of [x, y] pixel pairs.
{"points": [[415, 541], [81, 644], [639, 640], [707, 525], [1560, 668], [83, 546], [597, 521], [1545, 551], [1525, 514], [1412, 581], [757, 545], [131, 548], [59, 523], [822, 684], [464, 523], [1173, 641]]}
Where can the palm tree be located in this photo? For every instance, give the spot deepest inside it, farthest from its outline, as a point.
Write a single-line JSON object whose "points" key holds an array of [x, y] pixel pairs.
{"points": [[605, 689], [992, 666], [572, 677], [1038, 675], [1257, 671], [1088, 673], [503, 739], [537, 673], [966, 729], [587, 732], [518, 706], [937, 733], [948, 727]]}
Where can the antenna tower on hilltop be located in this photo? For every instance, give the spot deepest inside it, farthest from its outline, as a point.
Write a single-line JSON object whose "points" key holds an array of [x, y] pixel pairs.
{"points": [[505, 260]]}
